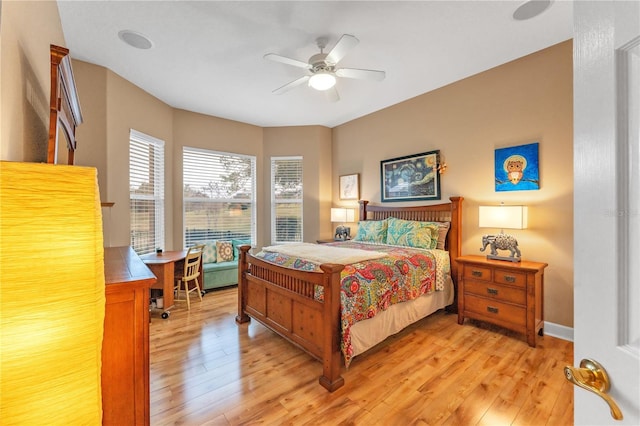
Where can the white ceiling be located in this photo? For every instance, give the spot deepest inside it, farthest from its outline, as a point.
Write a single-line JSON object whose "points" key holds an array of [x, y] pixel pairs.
{"points": [[207, 56]]}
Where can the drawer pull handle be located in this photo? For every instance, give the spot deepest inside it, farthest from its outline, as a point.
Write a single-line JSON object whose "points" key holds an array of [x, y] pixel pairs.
{"points": [[510, 279], [492, 309], [476, 273], [493, 291]]}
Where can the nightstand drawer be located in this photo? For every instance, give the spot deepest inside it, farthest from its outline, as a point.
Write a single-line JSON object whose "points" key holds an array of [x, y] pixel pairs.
{"points": [[492, 309], [496, 291], [477, 273], [509, 277]]}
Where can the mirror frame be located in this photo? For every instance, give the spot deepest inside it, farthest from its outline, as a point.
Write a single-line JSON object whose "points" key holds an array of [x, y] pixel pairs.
{"points": [[64, 106]]}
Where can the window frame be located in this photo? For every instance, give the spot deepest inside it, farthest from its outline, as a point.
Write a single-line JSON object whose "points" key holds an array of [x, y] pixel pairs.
{"points": [[158, 197]]}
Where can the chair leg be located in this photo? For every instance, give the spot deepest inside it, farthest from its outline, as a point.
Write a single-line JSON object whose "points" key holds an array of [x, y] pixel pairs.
{"points": [[187, 295], [198, 289]]}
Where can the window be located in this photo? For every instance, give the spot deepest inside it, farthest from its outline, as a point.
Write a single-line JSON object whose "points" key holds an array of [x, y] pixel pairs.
{"points": [[146, 192], [219, 196], [286, 199]]}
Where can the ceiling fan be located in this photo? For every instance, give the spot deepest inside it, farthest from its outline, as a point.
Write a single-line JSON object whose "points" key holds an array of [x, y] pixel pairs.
{"points": [[322, 68]]}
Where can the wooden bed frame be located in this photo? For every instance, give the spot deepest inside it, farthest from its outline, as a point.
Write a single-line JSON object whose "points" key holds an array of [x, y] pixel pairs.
{"points": [[283, 300]]}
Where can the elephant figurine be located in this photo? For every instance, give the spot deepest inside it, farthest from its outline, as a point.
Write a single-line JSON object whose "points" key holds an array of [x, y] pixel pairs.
{"points": [[502, 242], [343, 233]]}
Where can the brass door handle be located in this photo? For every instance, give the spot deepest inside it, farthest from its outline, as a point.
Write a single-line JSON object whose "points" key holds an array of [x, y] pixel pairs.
{"points": [[593, 377]]}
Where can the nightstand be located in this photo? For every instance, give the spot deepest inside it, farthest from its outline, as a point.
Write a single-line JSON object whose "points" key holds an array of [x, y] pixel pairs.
{"points": [[508, 294]]}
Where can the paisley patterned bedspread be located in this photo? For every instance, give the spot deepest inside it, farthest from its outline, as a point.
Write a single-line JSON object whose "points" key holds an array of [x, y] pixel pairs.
{"points": [[372, 286]]}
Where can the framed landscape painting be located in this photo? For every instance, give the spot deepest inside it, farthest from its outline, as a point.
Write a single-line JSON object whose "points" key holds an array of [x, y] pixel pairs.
{"points": [[410, 178]]}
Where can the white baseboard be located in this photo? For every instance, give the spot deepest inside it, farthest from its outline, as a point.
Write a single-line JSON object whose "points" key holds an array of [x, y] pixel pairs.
{"points": [[559, 331]]}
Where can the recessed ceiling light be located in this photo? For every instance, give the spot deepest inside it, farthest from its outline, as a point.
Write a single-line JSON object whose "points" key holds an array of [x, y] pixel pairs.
{"points": [[134, 39], [531, 9]]}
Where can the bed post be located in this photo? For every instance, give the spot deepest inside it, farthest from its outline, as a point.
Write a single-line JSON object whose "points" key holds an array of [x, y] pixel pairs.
{"points": [[455, 237], [331, 355], [242, 316], [363, 209]]}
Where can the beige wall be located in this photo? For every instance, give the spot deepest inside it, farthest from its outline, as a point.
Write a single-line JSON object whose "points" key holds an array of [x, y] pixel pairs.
{"points": [[28, 28], [111, 107], [216, 134], [524, 101], [313, 143]]}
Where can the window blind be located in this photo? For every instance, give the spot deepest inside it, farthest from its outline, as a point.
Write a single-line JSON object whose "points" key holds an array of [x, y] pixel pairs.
{"points": [[146, 192], [286, 199], [218, 196]]}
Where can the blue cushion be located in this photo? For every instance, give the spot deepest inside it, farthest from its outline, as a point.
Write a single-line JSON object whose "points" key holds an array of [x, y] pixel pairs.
{"points": [[236, 245]]}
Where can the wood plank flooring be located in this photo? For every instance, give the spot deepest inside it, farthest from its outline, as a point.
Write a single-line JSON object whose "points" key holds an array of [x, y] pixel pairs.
{"points": [[207, 370]]}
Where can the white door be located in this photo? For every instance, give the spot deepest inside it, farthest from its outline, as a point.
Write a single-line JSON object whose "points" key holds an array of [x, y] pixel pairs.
{"points": [[606, 204]]}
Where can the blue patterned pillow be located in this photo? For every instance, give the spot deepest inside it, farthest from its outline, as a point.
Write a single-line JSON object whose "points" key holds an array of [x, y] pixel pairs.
{"points": [[411, 233], [209, 251], [372, 231]]}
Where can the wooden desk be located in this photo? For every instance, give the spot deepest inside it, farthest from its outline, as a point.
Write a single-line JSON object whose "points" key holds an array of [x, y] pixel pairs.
{"points": [[125, 346], [163, 266]]}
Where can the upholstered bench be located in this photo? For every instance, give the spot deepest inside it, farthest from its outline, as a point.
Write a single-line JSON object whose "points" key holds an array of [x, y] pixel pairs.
{"points": [[220, 263]]}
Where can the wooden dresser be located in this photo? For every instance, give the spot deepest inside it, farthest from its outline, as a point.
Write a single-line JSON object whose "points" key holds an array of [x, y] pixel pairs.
{"points": [[508, 294], [125, 347]]}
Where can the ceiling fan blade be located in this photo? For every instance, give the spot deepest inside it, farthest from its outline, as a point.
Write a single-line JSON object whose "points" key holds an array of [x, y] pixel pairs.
{"points": [[361, 74], [344, 45], [332, 94], [289, 61], [291, 85]]}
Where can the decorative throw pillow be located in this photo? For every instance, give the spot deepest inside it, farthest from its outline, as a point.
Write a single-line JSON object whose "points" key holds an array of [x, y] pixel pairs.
{"points": [[209, 252], [411, 233], [372, 231], [443, 229], [236, 245], [225, 251]]}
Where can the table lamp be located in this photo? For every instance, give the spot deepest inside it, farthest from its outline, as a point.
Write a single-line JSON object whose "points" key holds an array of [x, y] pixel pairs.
{"points": [[342, 215], [510, 217]]}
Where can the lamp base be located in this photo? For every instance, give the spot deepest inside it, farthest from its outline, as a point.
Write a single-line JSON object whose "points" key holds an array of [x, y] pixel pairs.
{"points": [[508, 258], [501, 241]]}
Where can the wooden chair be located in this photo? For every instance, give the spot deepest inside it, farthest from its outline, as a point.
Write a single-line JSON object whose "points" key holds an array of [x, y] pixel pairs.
{"points": [[190, 273]]}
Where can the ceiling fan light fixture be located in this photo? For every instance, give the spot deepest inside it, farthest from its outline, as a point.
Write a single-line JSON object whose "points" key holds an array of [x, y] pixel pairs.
{"points": [[322, 80]]}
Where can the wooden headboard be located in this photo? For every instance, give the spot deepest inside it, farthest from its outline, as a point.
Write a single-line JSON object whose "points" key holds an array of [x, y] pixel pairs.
{"points": [[446, 212], [64, 108]]}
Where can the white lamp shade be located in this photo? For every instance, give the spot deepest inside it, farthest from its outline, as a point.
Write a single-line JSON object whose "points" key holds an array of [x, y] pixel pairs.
{"points": [[342, 215], [510, 217]]}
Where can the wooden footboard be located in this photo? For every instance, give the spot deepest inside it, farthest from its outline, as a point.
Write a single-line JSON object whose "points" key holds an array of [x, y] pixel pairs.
{"points": [[283, 300]]}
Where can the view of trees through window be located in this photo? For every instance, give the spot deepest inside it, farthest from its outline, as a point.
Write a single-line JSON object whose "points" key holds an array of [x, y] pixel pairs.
{"points": [[286, 199], [218, 195]]}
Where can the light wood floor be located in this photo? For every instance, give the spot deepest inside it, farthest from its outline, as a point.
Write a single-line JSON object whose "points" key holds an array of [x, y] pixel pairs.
{"points": [[205, 369]]}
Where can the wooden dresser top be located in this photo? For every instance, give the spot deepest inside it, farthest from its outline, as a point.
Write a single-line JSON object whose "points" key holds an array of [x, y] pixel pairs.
{"points": [[122, 265]]}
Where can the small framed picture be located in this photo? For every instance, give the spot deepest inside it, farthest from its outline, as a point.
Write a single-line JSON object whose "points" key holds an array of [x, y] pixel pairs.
{"points": [[350, 187]]}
